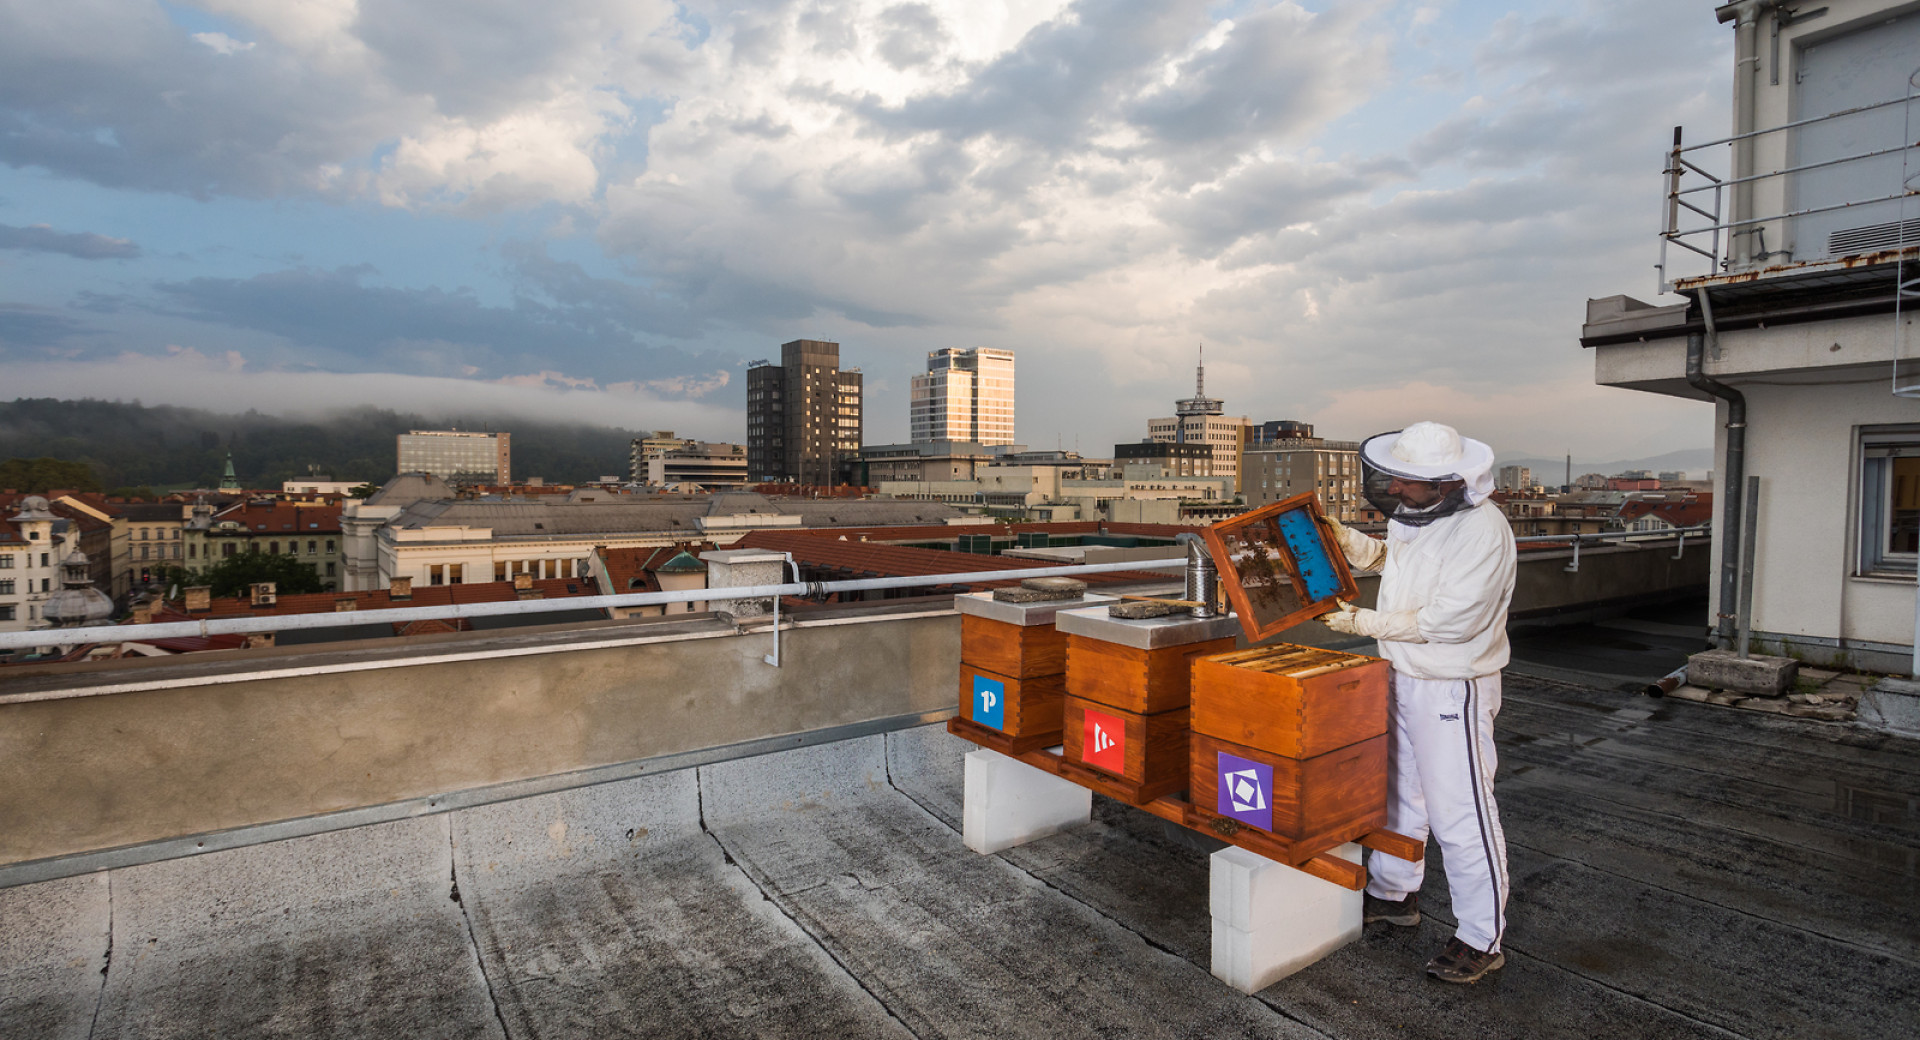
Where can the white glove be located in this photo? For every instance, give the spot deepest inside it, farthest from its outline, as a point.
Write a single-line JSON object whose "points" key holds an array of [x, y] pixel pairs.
{"points": [[1362, 551], [1401, 626]]}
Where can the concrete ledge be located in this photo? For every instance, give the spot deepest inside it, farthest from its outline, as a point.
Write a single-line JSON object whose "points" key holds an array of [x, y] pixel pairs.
{"points": [[1891, 706], [1726, 670]]}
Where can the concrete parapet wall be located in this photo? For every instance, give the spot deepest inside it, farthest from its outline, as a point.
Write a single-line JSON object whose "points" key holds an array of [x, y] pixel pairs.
{"points": [[96, 765]]}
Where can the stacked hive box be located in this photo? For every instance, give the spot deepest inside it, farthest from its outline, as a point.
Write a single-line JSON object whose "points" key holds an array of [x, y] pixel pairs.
{"points": [[1128, 690], [1012, 670], [1291, 740]]}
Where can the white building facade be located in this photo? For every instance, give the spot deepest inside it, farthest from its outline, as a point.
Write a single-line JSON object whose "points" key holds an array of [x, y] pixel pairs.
{"points": [[965, 395], [1786, 315]]}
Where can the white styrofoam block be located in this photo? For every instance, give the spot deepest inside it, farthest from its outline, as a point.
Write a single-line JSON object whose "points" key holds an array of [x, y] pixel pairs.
{"points": [[1010, 803], [1270, 920]]}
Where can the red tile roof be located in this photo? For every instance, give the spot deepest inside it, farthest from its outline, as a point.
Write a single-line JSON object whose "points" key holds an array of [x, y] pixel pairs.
{"points": [[632, 569], [283, 517]]}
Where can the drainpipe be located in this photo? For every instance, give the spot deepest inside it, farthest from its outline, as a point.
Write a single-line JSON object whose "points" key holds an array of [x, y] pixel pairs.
{"points": [[1734, 470]]}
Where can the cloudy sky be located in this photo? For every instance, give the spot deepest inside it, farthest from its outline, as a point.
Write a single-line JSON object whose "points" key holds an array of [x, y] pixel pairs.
{"points": [[1369, 212]]}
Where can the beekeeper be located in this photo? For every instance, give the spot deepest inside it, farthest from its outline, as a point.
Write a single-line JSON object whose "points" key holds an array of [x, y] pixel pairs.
{"points": [[1446, 576]]}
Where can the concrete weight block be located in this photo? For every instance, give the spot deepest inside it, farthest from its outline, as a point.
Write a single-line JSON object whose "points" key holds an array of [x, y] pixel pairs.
{"points": [[1270, 920], [1011, 803], [1758, 675]]}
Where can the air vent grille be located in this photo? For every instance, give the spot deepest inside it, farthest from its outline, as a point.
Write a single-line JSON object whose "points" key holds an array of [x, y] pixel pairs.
{"points": [[1873, 238]]}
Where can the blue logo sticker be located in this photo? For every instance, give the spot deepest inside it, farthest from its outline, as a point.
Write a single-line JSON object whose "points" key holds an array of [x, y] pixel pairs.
{"points": [[990, 702]]}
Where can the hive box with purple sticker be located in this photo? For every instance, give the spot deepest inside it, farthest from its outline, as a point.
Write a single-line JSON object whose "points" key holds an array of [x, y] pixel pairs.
{"points": [[1316, 802]]}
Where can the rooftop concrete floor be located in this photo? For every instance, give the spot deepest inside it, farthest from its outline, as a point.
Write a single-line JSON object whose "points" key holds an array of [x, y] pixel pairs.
{"points": [[1679, 870]]}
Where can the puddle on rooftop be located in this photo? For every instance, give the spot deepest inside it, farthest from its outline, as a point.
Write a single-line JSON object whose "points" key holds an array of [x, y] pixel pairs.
{"points": [[1887, 808]]}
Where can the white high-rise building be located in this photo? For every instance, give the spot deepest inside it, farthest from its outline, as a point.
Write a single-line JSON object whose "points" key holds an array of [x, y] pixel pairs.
{"points": [[965, 395]]}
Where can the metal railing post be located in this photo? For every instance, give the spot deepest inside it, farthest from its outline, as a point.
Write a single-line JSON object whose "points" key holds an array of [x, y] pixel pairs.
{"points": [[1750, 525]]}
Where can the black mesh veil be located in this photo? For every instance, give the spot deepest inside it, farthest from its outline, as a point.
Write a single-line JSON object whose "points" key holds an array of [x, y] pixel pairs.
{"points": [[1376, 478]]}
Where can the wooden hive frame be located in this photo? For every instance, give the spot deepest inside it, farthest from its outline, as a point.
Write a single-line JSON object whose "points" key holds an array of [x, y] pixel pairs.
{"points": [[1279, 566]]}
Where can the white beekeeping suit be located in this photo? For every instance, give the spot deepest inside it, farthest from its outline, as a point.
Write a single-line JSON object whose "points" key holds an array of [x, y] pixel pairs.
{"points": [[1446, 578]]}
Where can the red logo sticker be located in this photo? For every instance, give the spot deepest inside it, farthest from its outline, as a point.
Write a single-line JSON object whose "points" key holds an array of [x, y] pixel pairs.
{"points": [[1104, 744]]}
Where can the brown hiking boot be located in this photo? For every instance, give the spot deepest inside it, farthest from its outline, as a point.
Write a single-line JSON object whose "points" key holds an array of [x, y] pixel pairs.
{"points": [[1459, 962], [1402, 912]]}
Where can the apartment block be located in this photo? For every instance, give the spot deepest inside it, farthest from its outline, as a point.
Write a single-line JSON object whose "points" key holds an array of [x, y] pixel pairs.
{"points": [[1330, 469], [803, 415]]}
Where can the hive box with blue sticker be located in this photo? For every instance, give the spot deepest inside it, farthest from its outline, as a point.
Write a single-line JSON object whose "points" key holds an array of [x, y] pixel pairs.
{"points": [[1026, 711]]}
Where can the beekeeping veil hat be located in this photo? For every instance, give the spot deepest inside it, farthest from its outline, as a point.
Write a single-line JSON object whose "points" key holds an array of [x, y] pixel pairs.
{"points": [[1429, 452]]}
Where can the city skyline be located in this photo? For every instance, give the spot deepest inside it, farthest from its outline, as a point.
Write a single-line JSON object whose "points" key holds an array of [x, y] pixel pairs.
{"points": [[1371, 213]]}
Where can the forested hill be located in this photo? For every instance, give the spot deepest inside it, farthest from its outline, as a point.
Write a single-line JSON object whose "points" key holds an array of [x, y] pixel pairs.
{"points": [[128, 445]]}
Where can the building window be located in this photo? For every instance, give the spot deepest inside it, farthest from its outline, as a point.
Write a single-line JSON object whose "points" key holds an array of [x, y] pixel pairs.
{"points": [[193, 551], [226, 549], [330, 570], [1890, 500], [436, 574], [329, 546], [6, 562], [6, 612], [274, 548], [6, 587], [143, 552], [456, 573]]}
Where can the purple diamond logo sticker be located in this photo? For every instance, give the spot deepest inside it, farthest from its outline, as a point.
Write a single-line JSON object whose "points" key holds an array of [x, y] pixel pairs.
{"points": [[1246, 791]]}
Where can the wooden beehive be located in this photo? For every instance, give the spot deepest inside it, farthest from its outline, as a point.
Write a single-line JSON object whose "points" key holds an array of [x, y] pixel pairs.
{"points": [[1146, 681], [1018, 651], [1025, 710], [1012, 670], [1294, 701], [1144, 756], [1312, 804]]}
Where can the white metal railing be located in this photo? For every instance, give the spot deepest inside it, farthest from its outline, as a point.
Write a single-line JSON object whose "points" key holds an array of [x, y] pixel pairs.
{"points": [[1706, 201], [291, 622], [1617, 536]]}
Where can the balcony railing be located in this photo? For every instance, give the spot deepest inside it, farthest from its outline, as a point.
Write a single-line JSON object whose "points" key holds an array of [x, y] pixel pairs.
{"points": [[1713, 216]]}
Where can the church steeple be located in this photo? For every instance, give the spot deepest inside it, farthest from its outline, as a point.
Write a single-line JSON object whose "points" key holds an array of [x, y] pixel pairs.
{"points": [[229, 482]]}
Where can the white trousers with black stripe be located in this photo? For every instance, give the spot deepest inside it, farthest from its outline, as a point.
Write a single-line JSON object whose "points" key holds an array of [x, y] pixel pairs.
{"points": [[1441, 760]]}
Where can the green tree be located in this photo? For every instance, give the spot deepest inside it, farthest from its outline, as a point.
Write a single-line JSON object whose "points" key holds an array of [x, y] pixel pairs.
{"points": [[41, 475], [363, 491], [234, 575]]}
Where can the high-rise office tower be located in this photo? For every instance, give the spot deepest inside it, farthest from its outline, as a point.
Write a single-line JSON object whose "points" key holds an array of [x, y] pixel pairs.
{"points": [[803, 415], [965, 395]]}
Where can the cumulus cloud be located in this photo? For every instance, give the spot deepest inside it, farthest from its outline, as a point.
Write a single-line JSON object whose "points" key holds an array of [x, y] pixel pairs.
{"points": [[1346, 204], [84, 245]]}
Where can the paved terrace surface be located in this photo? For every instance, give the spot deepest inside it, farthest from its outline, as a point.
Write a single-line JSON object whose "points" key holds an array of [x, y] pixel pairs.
{"points": [[1680, 870]]}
